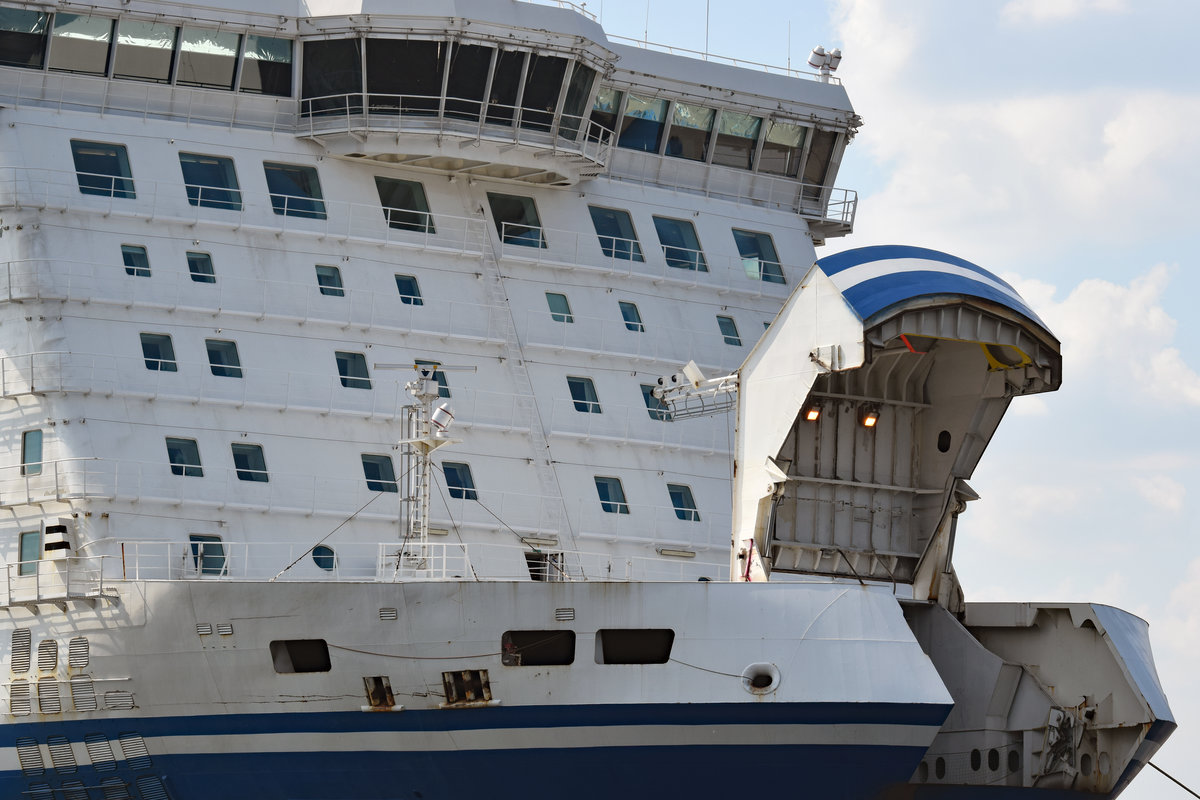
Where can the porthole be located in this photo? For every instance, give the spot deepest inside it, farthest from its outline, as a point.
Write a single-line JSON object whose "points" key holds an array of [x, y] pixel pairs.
{"points": [[1085, 764], [760, 678], [922, 772], [939, 768], [943, 443], [1014, 761], [993, 759], [324, 557], [976, 760]]}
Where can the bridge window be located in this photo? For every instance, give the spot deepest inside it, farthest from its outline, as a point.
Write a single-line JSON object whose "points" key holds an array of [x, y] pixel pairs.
{"points": [[655, 407], [617, 236], [612, 495], [782, 149], [606, 107], [632, 317], [207, 58], [145, 51], [517, 220], [223, 358], [184, 457], [729, 331], [684, 503], [102, 169], [680, 244], [200, 267], [737, 137], [330, 281], [438, 376], [759, 258], [469, 68], [22, 38], [642, 125], [410, 292], [379, 472], [404, 204], [249, 463], [583, 394], [543, 86], [137, 263], [210, 181], [295, 190], [405, 74], [31, 452], [816, 168], [158, 352], [81, 43], [332, 79], [560, 307], [506, 81], [579, 89], [352, 369], [691, 130], [267, 66], [459, 482]]}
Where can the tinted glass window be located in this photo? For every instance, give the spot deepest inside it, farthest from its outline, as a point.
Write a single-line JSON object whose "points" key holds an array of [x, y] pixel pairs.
{"points": [[136, 261], [583, 395], [404, 204], [30, 552], [249, 462], [324, 557], [184, 457], [459, 482], [560, 307], [332, 80], [330, 281], [223, 358], [352, 369], [816, 169], [410, 292], [684, 503], [782, 149], [642, 125], [737, 137], [759, 258], [81, 43], [691, 129], [575, 103], [158, 352], [543, 85], [680, 244], [207, 58], [22, 37], [295, 190], [200, 267], [405, 74], [210, 181], [469, 67], [145, 51], [506, 80], [380, 475], [617, 237], [632, 317], [729, 331], [612, 495], [208, 554], [31, 452], [517, 220], [606, 107], [102, 169], [267, 66]]}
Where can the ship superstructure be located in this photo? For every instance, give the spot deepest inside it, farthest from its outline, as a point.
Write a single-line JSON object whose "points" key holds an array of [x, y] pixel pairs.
{"points": [[240, 246]]}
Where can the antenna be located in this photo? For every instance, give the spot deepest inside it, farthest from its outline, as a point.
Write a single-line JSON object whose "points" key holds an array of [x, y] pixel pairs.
{"points": [[825, 63]]}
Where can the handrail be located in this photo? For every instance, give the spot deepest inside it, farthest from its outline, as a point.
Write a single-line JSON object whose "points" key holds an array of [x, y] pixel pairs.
{"points": [[730, 60]]}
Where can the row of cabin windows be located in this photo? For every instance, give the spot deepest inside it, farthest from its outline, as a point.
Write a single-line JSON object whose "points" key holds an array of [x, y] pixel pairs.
{"points": [[560, 311], [211, 181]]}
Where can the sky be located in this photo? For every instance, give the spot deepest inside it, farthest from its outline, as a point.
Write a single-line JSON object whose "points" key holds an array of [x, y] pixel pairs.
{"points": [[1054, 143]]}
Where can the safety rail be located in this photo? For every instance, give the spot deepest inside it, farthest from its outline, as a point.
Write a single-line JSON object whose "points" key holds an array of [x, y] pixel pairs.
{"points": [[578, 8], [50, 580], [741, 63]]}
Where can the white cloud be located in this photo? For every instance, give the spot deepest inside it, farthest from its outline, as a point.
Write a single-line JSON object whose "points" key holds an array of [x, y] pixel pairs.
{"points": [[1161, 491], [1021, 11]]}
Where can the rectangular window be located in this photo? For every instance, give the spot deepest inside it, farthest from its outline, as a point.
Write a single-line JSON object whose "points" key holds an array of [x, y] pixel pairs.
{"points": [[782, 149], [352, 367], [207, 58], [517, 220], [267, 66], [759, 258], [438, 375], [145, 51], [223, 358], [137, 262], [249, 462], [158, 352], [210, 181], [102, 169], [632, 317], [459, 482], [691, 131], [200, 267], [379, 472], [684, 503], [642, 125], [583, 394], [80, 44], [680, 244], [31, 452], [560, 309], [208, 554], [330, 281], [816, 166], [612, 495], [729, 331], [410, 292], [737, 138], [404, 205], [290, 656], [617, 236], [22, 38], [537, 648], [655, 407], [184, 455], [31, 552], [295, 190], [634, 646], [606, 108]]}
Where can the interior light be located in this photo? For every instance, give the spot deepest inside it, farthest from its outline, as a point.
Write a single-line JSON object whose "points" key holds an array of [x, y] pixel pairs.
{"points": [[812, 412], [870, 416]]}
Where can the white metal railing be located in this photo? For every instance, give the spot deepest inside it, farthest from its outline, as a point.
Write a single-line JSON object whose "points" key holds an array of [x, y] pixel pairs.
{"points": [[735, 62], [52, 579], [628, 423], [578, 8], [56, 481]]}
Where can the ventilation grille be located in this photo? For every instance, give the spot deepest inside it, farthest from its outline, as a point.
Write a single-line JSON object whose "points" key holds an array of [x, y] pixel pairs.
{"points": [[21, 644], [203, 629], [83, 693], [48, 700], [62, 756], [389, 614], [100, 752], [134, 748], [78, 653], [18, 699], [30, 756], [114, 789], [73, 790], [564, 614], [40, 791], [48, 655], [151, 788], [225, 629], [118, 700]]}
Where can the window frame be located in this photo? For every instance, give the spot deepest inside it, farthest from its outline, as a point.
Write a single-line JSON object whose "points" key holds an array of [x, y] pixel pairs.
{"points": [[330, 289], [611, 502], [208, 560], [380, 482], [526, 230], [200, 267], [412, 298], [463, 487], [185, 447], [767, 270], [117, 183], [224, 369], [161, 362], [679, 255], [683, 501], [28, 566], [307, 202], [586, 400], [632, 322], [729, 331], [626, 247], [559, 315], [346, 361], [254, 458], [413, 216], [31, 440], [136, 259], [226, 196]]}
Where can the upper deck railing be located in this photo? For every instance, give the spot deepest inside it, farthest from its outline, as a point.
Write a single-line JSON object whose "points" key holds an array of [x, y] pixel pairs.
{"points": [[741, 63]]}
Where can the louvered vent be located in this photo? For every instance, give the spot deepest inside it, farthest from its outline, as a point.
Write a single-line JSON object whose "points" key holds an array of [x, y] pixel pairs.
{"points": [[62, 756], [134, 748], [564, 614], [73, 790], [49, 701], [114, 789], [224, 629], [21, 644], [83, 693], [19, 703], [48, 655], [152, 788], [100, 752], [388, 614], [30, 756], [78, 653], [118, 700], [203, 629], [40, 791]]}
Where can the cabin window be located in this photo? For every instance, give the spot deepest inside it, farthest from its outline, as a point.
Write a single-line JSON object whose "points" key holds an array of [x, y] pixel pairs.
{"points": [[379, 472], [469, 68], [405, 74], [249, 463], [332, 79], [145, 51], [579, 89], [200, 267], [352, 369], [30, 553], [22, 38], [295, 190], [655, 407], [80, 43], [223, 358], [691, 131], [210, 181], [606, 108], [816, 168], [632, 317], [330, 281], [642, 125], [737, 138], [267, 66], [137, 262], [683, 502], [680, 244], [459, 481], [410, 292], [158, 352], [614, 228], [634, 646], [438, 375], [404, 205], [543, 86], [102, 169], [517, 220], [782, 149], [208, 554], [583, 394], [324, 557], [612, 495], [207, 58], [537, 648], [300, 655], [31, 452], [759, 258], [184, 456], [506, 82], [729, 331], [560, 307]]}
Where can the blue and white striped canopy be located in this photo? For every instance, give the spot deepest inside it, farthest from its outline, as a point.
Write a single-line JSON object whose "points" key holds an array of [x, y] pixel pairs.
{"points": [[875, 278]]}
